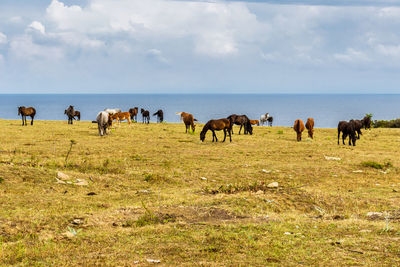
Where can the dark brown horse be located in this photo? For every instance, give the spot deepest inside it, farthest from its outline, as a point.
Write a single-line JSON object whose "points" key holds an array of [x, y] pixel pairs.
{"points": [[160, 115], [243, 121], [310, 127], [77, 114], [357, 127], [188, 120], [298, 127], [70, 112], [134, 111], [145, 116], [366, 121], [217, 125], [23, 111], [347, 129]]}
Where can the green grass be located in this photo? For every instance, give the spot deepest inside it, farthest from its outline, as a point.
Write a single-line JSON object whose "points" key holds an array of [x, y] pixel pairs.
{"points": [[154, 192]]}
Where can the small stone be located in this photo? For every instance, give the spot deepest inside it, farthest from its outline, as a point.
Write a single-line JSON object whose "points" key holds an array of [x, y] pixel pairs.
{"points": [[203, 178], [287, 233], [358, 171], [332, 158], [62, 176], [91, 194], [68, 234], [259, 192], [77, 221], [266, 171], [273, 185], [153, 261], [81, 182]]}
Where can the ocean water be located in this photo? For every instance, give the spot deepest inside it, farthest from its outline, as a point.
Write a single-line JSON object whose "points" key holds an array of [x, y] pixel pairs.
{"points": [[326, 110]]}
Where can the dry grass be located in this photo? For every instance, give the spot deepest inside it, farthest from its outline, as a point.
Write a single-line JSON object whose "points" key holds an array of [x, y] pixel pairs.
{"points": [[145, 197]]}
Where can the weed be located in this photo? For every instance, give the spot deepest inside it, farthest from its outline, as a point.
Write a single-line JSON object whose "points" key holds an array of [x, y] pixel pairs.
{"points": [[280, 132], [72, 142], [377, 165]]}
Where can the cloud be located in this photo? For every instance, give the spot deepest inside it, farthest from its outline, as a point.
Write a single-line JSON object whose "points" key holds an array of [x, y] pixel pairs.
{"points": [[3, 39], [37, 26], [156, 55], [352, 56]]}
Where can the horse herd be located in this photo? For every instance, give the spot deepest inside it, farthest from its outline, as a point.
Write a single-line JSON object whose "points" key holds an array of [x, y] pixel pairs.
{"points": [[104, 119]]}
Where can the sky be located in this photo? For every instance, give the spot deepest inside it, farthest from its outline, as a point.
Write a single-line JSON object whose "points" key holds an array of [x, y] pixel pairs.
{"points": [[164, 46]]}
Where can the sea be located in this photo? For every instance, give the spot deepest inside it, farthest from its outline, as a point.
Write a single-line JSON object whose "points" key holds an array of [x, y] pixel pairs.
{"points": [[326, 109]]}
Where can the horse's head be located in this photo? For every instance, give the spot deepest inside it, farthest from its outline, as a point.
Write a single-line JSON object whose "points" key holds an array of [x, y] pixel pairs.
{"points": [[193, 127], [202, 136], [249, 128], [141, 110], [65, 111], [19, 110]]}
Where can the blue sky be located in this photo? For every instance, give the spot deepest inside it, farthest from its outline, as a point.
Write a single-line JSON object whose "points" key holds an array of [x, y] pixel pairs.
{"points": [[160, 46]]}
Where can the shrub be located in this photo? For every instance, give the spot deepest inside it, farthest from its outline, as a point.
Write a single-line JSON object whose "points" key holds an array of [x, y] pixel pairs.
{"points": [[377, 165], [386, 124]]}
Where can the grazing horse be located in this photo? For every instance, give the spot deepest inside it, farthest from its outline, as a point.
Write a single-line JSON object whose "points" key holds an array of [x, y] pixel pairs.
{"points": [[77, 114], [188, 120], [270, 120], [264, 118], [160, 115], [217, 125], [298, 127], [112, 110], [255, 122], [23, 111], [241, 120], [347, 129], [366, 121], [310, 127], [103, 121], [145, 116], [134, 111], [70, 112], [120, 116]]}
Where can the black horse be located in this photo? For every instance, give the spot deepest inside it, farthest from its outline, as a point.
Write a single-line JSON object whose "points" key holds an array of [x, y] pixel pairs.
{"points": [[243, 121], [357, 127], [160, 115], [145, 115], [70, 112], [347, 129], [270, 119], [366, 122]]}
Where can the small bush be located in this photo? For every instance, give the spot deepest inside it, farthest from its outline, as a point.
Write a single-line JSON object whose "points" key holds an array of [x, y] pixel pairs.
{"points": [[386, 124], [1, 180], [377, 165], [280, 132]]}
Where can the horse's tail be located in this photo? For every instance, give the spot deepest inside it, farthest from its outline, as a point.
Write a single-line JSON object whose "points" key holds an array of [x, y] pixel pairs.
{"points": [[298, 126], [94, 121], [178, 113], [33, 112], [195, 119]]}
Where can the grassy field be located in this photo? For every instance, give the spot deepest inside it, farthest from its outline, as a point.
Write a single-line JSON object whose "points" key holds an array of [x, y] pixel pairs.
{"points": [[152, 192]]}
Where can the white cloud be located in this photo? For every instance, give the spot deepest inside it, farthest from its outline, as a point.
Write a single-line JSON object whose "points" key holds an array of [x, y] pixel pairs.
{"points": [[3, 38], [352, 56], [157, 55], [37, 26], [23, 48]]}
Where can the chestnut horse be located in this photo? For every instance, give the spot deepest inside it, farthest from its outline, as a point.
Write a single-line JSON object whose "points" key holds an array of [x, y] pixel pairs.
{"points": [[299, 128], [310, 127], [145, 115], [255, 122], [134, 111], [120, 116], [23, 111], [77, 114], [188, 120], [217, 125]]}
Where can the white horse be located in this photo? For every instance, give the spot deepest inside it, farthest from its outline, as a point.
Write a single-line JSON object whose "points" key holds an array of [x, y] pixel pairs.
{"points": [[103, 122], [264, 118], [112, 110]]}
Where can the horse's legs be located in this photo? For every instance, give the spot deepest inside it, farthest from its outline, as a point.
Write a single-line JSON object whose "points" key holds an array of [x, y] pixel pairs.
{"points": [[224, 135], [214, 135], [344, 137], [25, 120], [32, 120], [241, 125]]}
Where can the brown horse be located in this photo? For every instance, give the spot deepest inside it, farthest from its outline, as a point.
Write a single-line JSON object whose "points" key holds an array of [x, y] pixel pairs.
{"points": [[134, 111], [77, 114], [70, 112], [299, 128], [188, 120], [255, 122], [366, 122], [347, 129], [120, 116], [217, 125], [310, 127], [23, 111]]}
